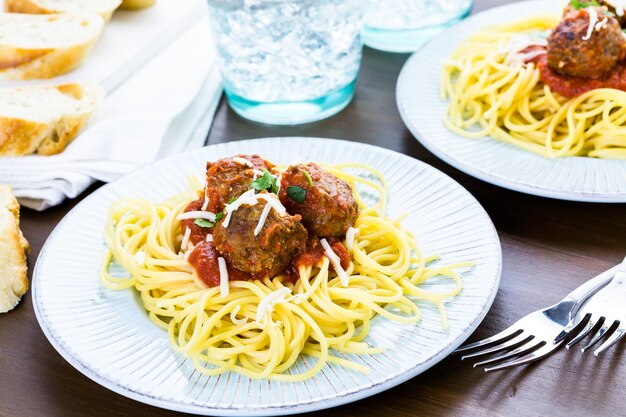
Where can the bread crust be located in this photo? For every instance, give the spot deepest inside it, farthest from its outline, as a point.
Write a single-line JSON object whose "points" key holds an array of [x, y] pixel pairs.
{"points": [[31, 6], [136, 4], [45, 63], [13, 248], [23, 6], [20, 137]]}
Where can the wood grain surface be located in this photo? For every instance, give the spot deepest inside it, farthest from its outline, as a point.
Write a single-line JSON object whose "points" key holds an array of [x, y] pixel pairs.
{"points": [[549, 247]]}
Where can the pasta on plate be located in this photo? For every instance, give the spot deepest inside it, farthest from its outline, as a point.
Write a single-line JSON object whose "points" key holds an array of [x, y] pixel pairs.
{"points": [[546, 85], [258, 322]]}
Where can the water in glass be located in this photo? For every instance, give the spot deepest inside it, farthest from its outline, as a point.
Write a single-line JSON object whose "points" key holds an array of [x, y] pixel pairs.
{"points": [[288, 61], [405, 25]]}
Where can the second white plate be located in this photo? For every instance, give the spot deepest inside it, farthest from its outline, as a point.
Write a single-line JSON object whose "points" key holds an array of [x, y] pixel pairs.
{"points": [[502, 164]]}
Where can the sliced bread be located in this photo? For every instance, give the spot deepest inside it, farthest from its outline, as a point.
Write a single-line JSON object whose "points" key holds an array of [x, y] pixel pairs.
{"points": [[44, 46], [104, 8], [13, 248], [44, 119]]}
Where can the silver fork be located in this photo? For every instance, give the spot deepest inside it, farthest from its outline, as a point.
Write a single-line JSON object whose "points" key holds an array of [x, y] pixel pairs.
{"points": [[537, 334], [604, 315]]}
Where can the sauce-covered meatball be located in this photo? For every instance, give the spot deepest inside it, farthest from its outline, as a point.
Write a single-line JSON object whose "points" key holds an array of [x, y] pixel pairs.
{"points": [[230, 177], [327, 205], [575, 50], [267, 254]]}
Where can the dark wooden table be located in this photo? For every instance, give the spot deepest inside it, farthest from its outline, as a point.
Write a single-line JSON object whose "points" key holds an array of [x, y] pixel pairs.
{"points": [[549, 247]]}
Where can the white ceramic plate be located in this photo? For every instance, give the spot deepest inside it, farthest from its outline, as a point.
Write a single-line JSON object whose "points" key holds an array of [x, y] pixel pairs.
{"points": [[422, 109], [108, 337]]}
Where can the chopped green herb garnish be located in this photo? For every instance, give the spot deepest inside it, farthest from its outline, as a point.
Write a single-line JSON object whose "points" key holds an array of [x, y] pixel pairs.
{"points": [[232, 200], [297, 194], [578, 4], [204, 223], [208, 224], [308, 177], [265, 183]]}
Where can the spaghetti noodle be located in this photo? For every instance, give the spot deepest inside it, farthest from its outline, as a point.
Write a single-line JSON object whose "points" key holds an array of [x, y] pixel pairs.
{"points": [[494, 89], [261, 327]]}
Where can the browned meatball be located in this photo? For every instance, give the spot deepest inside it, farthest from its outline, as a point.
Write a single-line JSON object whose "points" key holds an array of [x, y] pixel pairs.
{"points": [[269, 253], [328, 208], [571, 53], [229, 178]]}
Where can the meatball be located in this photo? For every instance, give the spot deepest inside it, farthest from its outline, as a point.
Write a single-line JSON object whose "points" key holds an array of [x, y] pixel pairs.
{"points": [[270, 252], [571, 53], [328, 208], [230, 177]]}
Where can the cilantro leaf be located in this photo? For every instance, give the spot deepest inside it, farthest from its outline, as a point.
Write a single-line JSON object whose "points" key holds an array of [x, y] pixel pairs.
{"points": [[265, 183], [297, 194], [578, 4], [308, 177], [204, 223], [209, 224]]}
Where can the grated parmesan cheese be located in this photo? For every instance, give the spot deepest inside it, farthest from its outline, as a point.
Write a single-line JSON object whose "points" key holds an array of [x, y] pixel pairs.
{"points": [[593, 20], [602, 23], [205, 204], [350, 235], [242, 161], [517, 44], [251, 199], [185, 238], [267, 304], [262, 219], [224, 287], [532, 55], [233, 316], [334, 260], [206, 215], [257, 173]]}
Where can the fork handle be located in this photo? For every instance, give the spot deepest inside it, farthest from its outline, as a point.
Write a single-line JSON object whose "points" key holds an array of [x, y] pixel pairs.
{"points": [[589, 288]]}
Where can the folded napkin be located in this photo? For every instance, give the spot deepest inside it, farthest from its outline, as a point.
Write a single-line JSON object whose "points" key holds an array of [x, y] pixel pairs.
{"points": [[165, 107]]}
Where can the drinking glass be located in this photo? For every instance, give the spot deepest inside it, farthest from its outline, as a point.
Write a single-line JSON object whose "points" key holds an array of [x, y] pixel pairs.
{"points": [[288, 61], [405, 25]]}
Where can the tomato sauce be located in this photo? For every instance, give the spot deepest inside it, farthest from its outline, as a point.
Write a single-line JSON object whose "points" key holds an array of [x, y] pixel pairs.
{"points": [[569, 86], [198, 233], [204, 260], [315, 252]]}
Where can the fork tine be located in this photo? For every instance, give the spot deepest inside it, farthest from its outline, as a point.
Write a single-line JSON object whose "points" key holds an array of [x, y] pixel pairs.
{"points": [[574, 331], [514, 343], [544, 350], [520, 351], [610, 341], [503, 336], [604, 331], [590, 325]]}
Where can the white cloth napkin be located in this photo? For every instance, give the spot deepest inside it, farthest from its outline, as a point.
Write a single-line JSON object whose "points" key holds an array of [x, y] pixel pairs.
{"points": [[164, 108]]}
